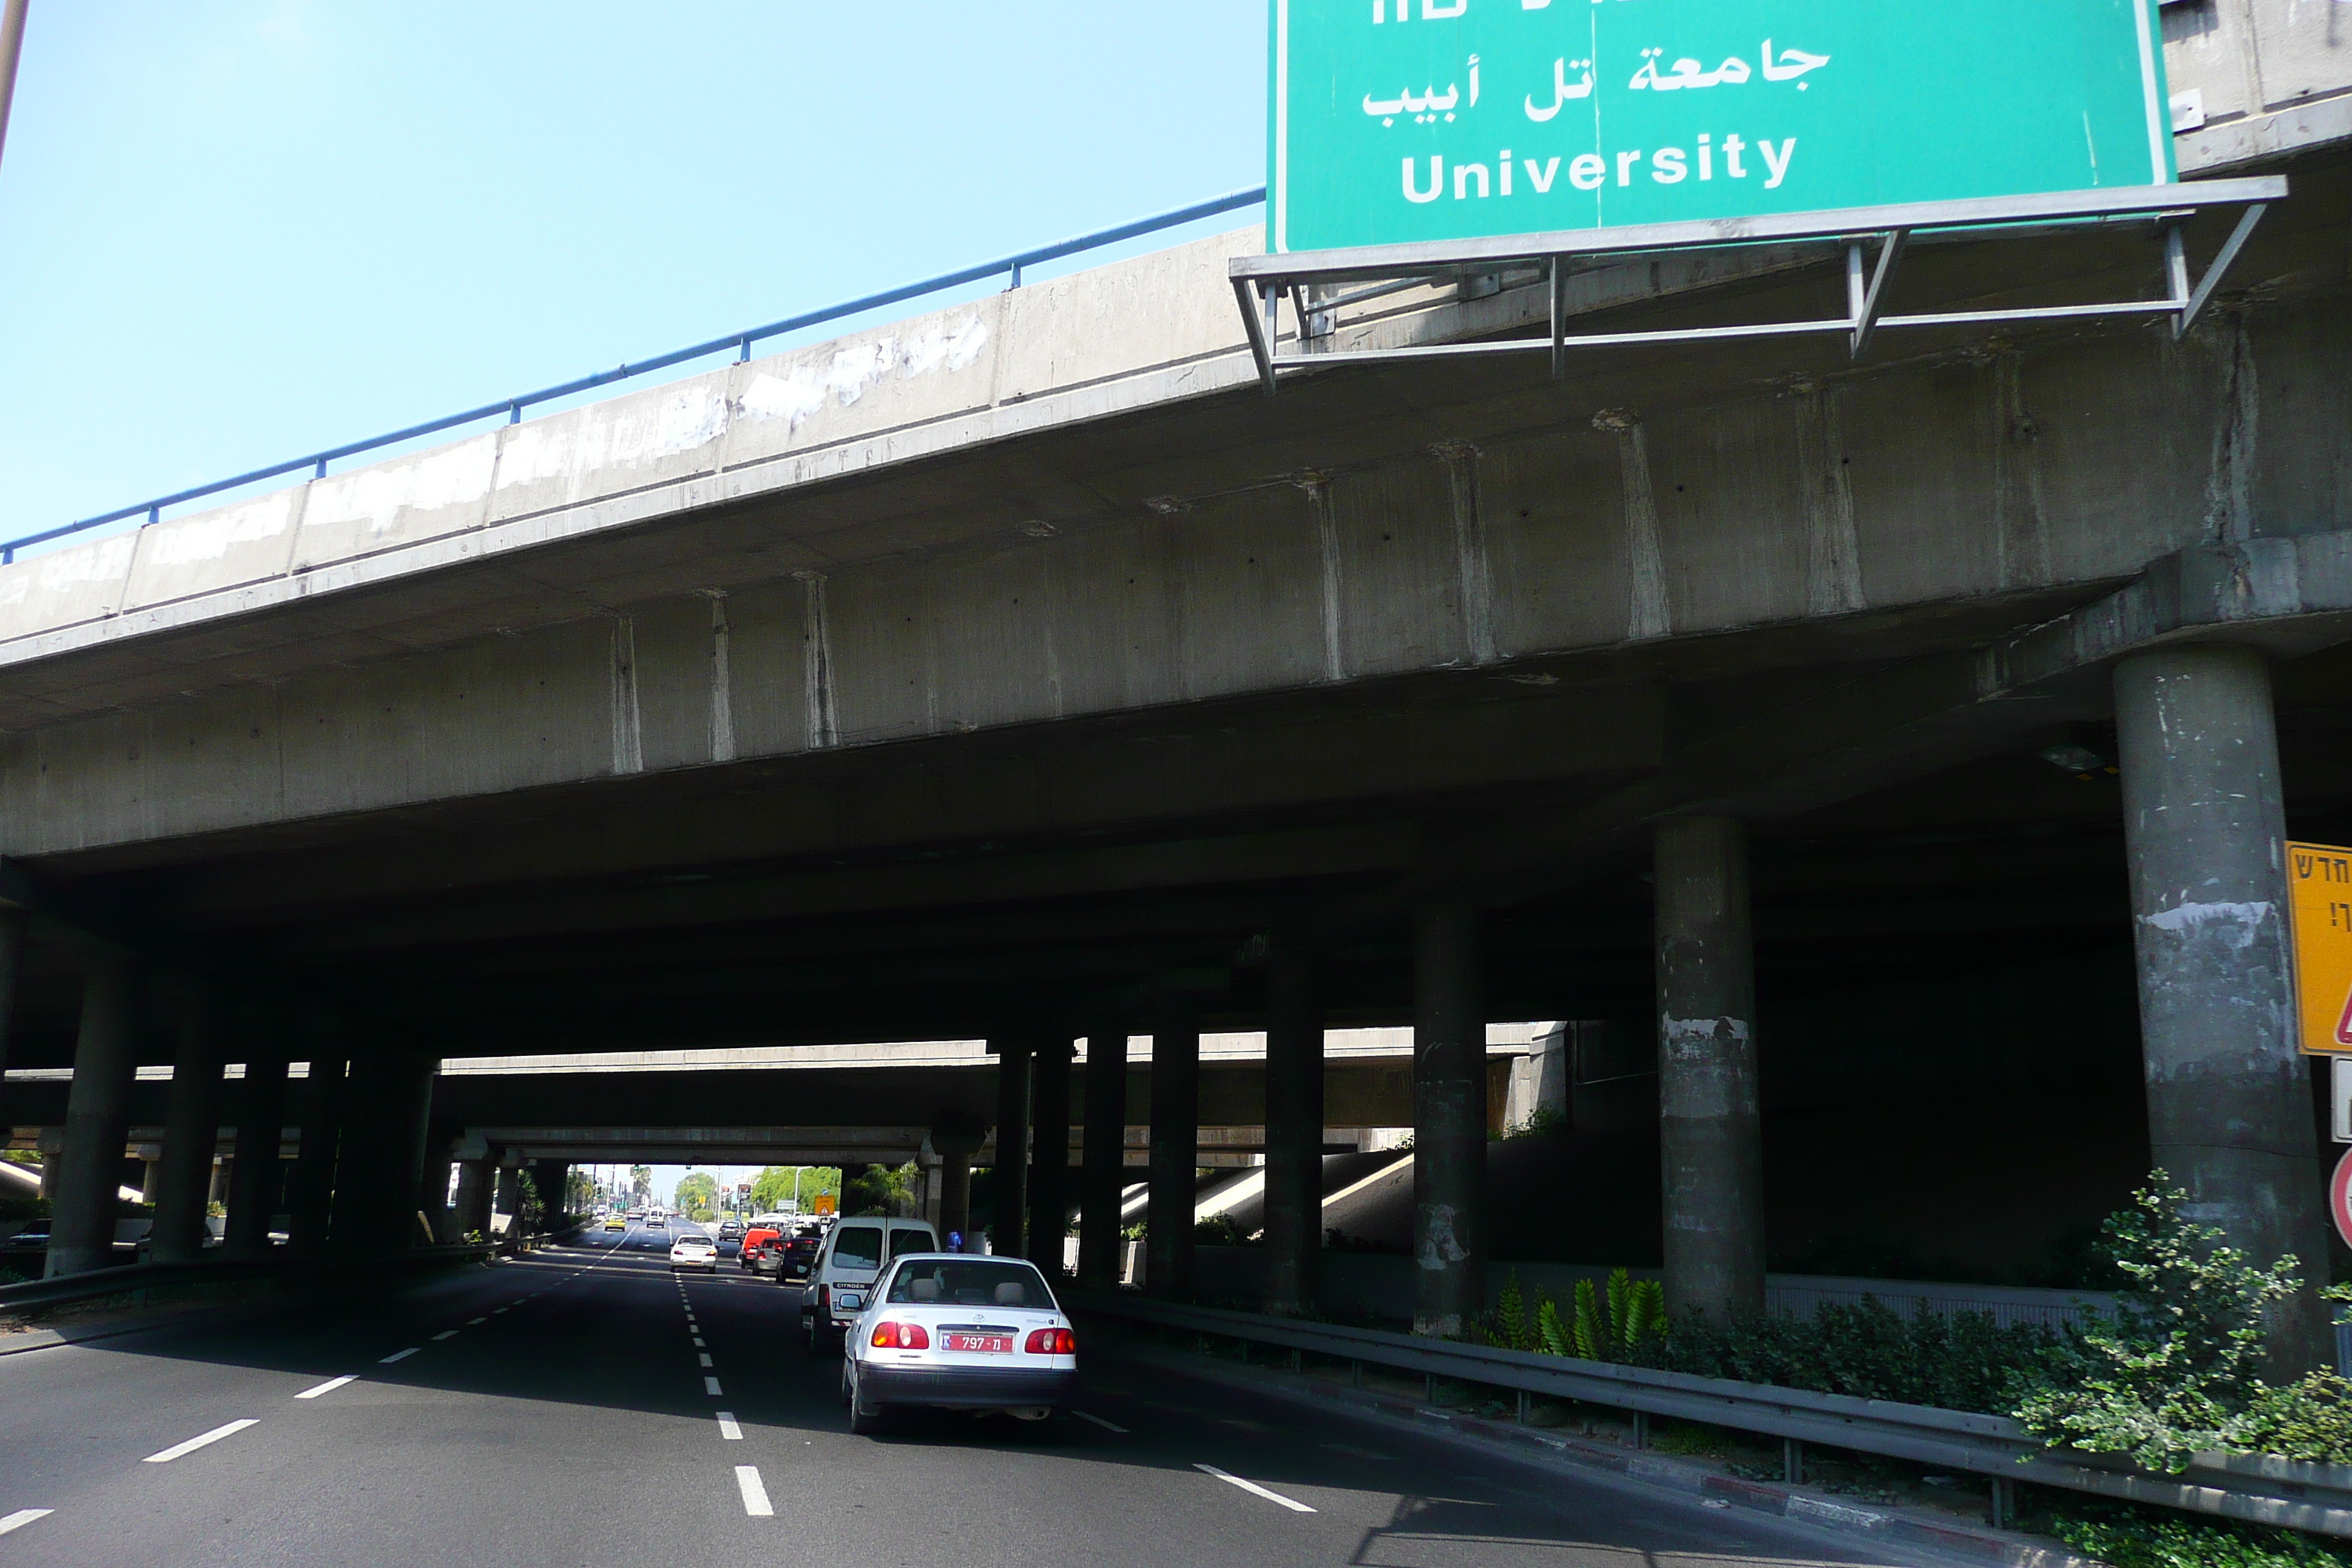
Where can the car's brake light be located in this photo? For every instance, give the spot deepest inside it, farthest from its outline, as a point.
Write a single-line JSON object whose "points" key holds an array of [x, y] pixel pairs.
{"points": [[901, 1337], [1052, 1342]]}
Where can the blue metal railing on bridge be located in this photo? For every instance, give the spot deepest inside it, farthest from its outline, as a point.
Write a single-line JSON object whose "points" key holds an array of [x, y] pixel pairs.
{"points": [[741, 342]]}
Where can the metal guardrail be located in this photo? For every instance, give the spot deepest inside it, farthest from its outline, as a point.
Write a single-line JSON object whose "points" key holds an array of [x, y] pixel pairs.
{"points": [[741, 342], [2258, 1488], [136, 1279]]}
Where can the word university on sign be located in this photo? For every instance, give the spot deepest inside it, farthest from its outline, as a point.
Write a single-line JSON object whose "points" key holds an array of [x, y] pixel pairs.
{"points": [[2319, 929], [1413, 120]]}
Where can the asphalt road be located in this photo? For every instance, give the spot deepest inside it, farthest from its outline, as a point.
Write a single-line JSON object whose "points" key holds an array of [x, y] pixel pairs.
{"points": [[583, 1407]]}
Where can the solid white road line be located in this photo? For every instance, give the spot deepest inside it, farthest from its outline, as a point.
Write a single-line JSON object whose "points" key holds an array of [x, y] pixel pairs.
{"points": [[328, 1386], [192, 1444], [400, 1356], [23, 1517], [755, 1496], [728, 1426], [705, 1358], [710, 1386], [1293, 1504], [446, 1334], [1105, 1425]]}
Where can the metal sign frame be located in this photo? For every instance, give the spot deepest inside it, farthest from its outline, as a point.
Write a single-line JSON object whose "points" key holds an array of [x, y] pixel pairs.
{"points": [[1261, 283]]}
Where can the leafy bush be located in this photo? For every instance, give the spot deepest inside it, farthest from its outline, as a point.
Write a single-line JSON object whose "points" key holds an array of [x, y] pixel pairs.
{"points": [[1222, 1230], [2307, 1420], [1956, 1361], [1960, 1360], [2131, 1538], [2171, 1373]]}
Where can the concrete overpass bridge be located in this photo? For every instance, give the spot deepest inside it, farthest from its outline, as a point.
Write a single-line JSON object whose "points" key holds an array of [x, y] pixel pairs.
{"points": [[1909, 739]]}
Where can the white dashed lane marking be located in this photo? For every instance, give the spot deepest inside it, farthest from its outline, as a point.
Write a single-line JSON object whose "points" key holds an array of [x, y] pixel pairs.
{"points": [[1293, 1504], [755, 1496], [728, 1426], [705, 1358], [446, 1334], [1105, 1425], [400, 1356], [202, 1440], [710, 1386], [328, 1386], [23, 1517]]}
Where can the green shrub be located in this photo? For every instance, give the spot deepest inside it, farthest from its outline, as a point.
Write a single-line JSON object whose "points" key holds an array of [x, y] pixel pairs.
{"points": [[2171, 1373], [2139, 1539], [1955, 1361]]}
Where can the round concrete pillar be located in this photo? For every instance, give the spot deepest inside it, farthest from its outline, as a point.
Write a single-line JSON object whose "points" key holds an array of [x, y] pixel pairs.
{"points": [[1175, 1152], [1294, 1134], [2228, 1096], [191, 1132], [1449, 1143], [1711, 1131], [1011, 1173], [1102, 1172], [1049, 1160], [89, 1163]]}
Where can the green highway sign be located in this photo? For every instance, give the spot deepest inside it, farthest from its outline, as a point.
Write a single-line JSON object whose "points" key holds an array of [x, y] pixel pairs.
{"points": [[1404, 121]]}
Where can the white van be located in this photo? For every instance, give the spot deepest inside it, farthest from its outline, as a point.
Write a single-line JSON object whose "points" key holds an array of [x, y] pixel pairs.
{"points": [[843, 1276]]}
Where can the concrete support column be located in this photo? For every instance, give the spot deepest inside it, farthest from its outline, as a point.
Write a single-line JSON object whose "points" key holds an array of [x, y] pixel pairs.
{"points": [[1711, 1128], [89, 1163], [1049, 1159], [381, 1156], [509, 1198], [548, 1177], [150, 1159], [1293, 1134], [955, 1146], [433, 1194], [190, 1133], [470, 1211], [52, 1146], [1012, 1171], [12, 948], [313, 1195], [1449, 1107], [2228, 1102], [1103, 1174], [260, 1124], [1175, 1153]]}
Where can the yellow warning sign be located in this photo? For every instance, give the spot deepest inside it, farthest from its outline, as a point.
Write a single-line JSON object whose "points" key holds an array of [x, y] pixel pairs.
{"points": [[824, 1204], [2319, 922]]}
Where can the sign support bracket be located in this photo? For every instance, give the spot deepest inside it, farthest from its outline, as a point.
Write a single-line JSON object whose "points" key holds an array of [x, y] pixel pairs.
{"points": [[1383, 270]]}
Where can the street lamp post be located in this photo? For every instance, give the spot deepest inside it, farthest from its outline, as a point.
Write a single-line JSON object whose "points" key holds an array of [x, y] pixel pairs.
{"points": [[12, 45]]}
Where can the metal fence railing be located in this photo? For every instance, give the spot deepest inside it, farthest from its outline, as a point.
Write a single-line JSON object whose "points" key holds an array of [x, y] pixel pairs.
{"points": [[2259, 1489], [1009, 267]]}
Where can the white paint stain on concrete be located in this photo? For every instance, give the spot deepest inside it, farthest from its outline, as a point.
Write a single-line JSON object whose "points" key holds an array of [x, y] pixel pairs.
{"points": [[211, 535], [376, 498], [796, 394], [2236, 924], [66, 571]]}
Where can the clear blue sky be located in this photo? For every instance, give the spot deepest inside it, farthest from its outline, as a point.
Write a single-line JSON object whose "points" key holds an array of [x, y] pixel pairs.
{"points": [[232, 231]]}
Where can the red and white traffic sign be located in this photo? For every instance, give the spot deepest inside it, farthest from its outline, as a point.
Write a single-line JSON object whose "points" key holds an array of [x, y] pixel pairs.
{"points": [[2339, 1197]]}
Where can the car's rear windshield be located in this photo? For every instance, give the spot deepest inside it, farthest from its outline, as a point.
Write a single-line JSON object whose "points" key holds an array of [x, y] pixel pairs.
{"points": [[858, 1246], [975, 1282]]}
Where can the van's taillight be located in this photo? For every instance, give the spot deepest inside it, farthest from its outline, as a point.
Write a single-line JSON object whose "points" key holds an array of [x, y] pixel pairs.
{"points": [[901, 1337], [1051, 1342]]}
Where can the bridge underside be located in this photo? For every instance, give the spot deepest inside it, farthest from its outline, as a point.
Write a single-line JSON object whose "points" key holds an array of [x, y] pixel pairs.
{"points": [[1289, 672]]}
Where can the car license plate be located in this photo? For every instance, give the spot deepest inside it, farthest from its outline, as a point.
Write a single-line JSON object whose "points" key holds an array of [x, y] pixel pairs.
{"points": [[982, 1344]]}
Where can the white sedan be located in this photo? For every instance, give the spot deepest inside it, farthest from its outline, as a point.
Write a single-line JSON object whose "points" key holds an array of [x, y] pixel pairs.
{"points": [[694, 1250], [951, 1331]]}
